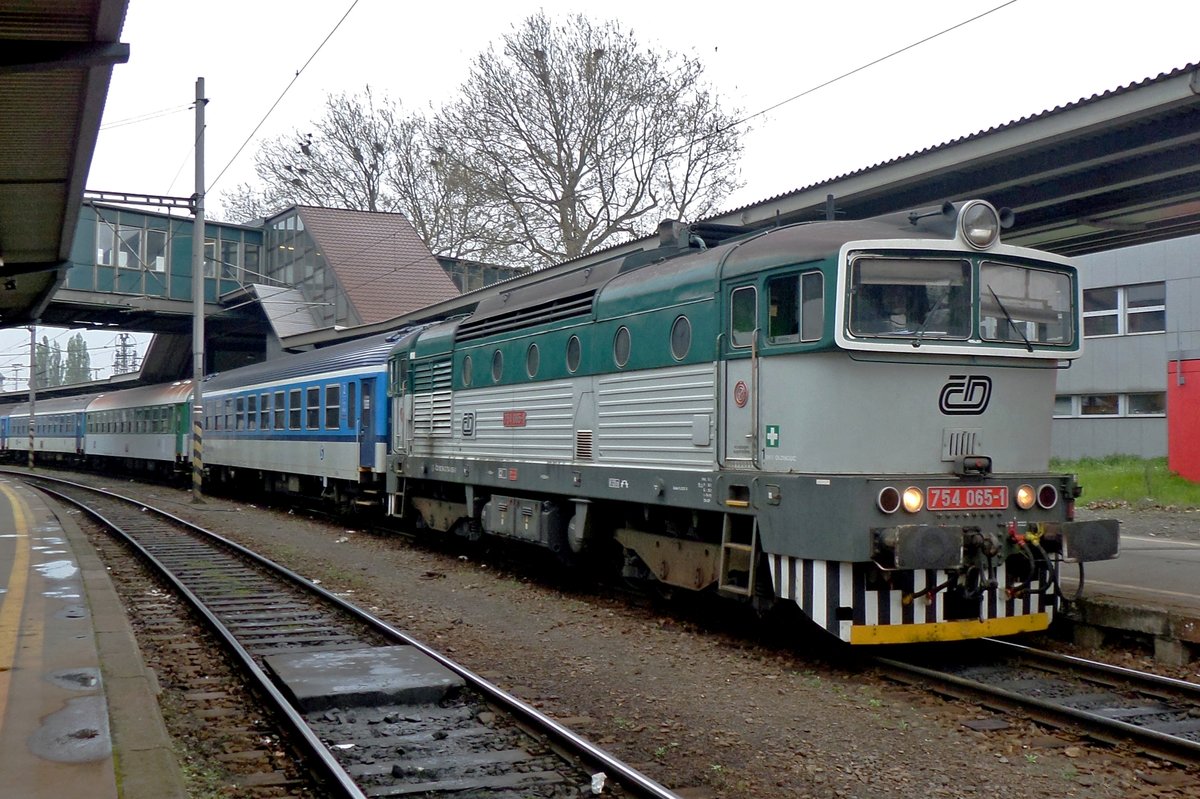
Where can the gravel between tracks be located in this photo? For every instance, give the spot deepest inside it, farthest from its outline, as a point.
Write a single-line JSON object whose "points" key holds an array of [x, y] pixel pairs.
{"points": [[708, 712]]}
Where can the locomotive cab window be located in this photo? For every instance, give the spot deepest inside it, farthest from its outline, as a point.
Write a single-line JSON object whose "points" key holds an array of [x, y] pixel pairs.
{"points": [[910, 298], [743, 311], [796, 308]]}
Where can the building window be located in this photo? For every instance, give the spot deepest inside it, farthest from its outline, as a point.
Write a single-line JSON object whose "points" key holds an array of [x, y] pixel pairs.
{"points": [[230, 259], [129, 252], [1148, 403], [1125, 310], [210, 257], [1099, 404]]}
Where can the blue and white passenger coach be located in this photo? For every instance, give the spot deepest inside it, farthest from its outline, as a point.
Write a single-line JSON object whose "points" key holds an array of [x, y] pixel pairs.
{"points": [[314, 423], [850, 416]]}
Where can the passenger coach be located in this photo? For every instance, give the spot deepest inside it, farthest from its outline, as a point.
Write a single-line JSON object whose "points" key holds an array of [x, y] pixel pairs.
{"points": [[314, 423]]}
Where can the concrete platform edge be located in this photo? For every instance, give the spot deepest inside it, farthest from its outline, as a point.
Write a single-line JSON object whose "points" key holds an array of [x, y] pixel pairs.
{"points": [[144, 757]]}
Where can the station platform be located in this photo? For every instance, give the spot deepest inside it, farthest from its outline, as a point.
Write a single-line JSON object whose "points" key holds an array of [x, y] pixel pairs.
{"points": [[78, 712]]}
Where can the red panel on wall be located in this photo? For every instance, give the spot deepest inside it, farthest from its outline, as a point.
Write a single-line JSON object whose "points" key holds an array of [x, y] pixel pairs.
{"points": [[1183, 418]]}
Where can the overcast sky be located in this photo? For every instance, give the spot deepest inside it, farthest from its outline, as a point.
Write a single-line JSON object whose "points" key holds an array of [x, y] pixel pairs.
{"points": [[1020, 59]]}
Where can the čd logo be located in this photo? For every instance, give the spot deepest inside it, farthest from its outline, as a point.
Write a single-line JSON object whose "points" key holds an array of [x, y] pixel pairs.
{"points": [[965, 395]]}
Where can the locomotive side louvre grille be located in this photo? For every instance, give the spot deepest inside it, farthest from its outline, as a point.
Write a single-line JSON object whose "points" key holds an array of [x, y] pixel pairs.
{"points": [[957, 443], [649, 417], [556, 310], [819, 587], [583, 445], [432, 399]]}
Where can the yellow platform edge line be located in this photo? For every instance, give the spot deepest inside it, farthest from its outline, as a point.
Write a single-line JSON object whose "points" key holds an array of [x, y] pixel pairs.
{"points": [[947, 630], [13, 600]]}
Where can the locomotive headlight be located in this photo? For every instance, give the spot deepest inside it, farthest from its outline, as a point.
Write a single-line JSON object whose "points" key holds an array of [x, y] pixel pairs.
{"points": [[888, 500], [979, 224], [1026, 496], [914, 500]]}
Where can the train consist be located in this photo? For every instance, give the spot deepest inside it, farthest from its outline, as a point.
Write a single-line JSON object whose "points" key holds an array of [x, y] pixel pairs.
{"points": [[850, 416]]}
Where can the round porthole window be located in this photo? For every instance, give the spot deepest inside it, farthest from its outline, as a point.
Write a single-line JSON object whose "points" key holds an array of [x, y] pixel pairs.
{"points": [[497, 365], [574, 354], [532, 357], [466, 371], [681, 338], [621, 347]]}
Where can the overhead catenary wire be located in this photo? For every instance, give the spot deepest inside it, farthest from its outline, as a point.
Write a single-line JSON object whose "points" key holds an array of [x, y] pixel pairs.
{"points": [[282, 94]]}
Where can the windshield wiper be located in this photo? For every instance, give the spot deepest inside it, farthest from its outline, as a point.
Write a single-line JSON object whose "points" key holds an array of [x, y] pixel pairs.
{"points": [[937, 306], [1008, 316]]}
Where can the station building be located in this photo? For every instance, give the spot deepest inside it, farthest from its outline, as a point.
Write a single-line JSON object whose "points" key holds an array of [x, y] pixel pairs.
{"points": [[1136, 388]]}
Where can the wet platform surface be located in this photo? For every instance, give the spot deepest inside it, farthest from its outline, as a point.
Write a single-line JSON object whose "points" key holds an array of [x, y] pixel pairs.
{"points": [[73, 688]]}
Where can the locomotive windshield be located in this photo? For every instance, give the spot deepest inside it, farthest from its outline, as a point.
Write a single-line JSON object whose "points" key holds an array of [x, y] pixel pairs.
{"points": [[928, 299], [1024, 305], [909, 297]]}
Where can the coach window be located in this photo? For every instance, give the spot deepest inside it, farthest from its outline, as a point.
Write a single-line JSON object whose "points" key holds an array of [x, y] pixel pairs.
{"points": [[743, 309], [264, 409], [229, 423], [252, 412], [294, 409], [532, 360], [574, 354], [313, 407], [333, 407], [280, 411], [240, 424], [466, 370], [681, 338], [497, 366]]}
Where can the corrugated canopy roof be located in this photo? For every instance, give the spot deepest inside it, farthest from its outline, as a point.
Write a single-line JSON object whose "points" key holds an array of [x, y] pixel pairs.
{"points": [[56, 59]]}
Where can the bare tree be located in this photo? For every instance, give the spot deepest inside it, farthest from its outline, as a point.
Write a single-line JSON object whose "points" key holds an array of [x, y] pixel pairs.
{"points": [[367, 154], [341, 164], [579, 138]]}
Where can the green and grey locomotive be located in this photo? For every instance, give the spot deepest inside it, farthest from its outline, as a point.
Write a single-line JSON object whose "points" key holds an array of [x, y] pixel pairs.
{"points": [[852, 416]]}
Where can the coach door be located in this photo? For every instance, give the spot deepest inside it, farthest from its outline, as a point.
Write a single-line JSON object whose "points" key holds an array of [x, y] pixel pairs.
{"points": [[740, 385], [366, 422]]}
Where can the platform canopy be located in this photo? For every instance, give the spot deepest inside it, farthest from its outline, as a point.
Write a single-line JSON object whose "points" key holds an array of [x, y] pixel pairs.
{"points": [[56, 60], [1107, 171]]}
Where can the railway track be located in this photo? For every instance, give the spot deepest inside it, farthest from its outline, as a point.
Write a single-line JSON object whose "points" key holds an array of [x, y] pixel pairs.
{"points": [[1158, 715], [375, 712]]}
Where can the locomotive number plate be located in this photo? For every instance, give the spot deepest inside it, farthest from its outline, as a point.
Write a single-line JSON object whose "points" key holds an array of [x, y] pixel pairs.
{"points": [[967, 497]]}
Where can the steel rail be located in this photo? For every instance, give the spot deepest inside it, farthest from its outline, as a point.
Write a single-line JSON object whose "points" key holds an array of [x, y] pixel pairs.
{"points": [[316, 749], [1164, 745], [1172, 684], [630, 778]]}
